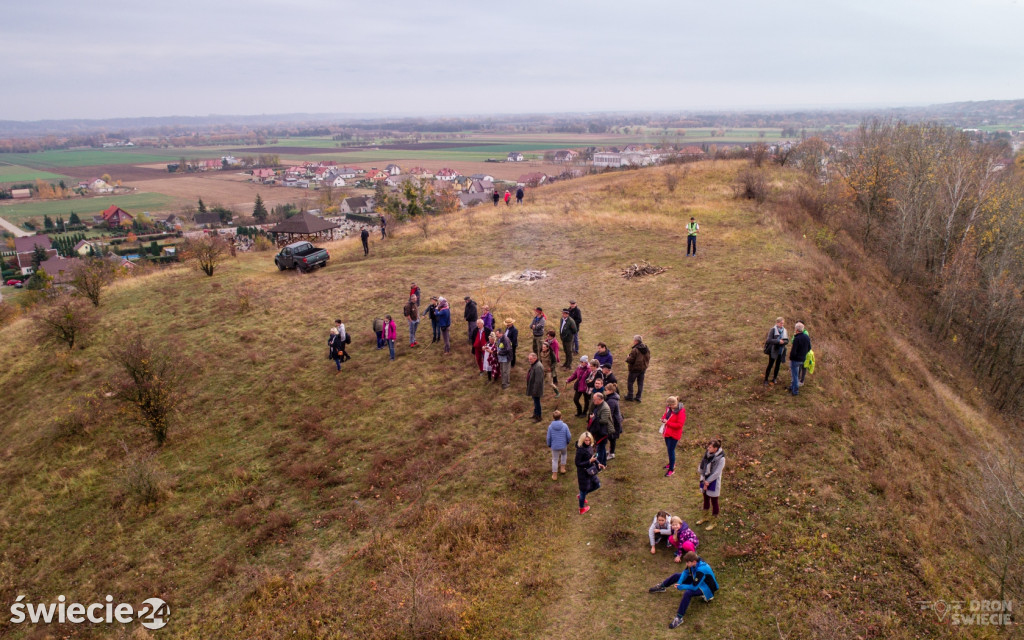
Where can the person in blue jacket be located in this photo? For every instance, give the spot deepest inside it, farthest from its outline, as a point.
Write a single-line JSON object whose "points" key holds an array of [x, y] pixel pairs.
{"points": [[697, 580], [444, 322]]}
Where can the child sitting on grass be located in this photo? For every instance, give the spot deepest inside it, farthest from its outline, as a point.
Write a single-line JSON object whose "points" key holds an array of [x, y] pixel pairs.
{"points": [[681, 534], [660, 530]]}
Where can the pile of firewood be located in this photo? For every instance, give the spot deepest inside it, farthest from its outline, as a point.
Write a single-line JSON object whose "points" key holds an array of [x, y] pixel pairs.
{"points": [[642, 269]]}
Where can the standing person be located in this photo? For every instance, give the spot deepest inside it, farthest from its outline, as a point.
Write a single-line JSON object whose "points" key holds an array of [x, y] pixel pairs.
{"points": [[709, 472], [775, 348], [559, 438], [691, 236], [580, 376], [390, 334], [345, 339], [611, 398], [697, 580], [637, 361], [378, 328], [414, 290], [495, 197], [600, 425], [334, 346], [609, 377], [479, 342], [672, 422], [364, 235], [513, 337], [549, 356], [444, 323], [435, 328], [412, 314], [488, 319], [603, 355], [504, 353], [537, 327], [519, 195], [577, 317], [567, 332], [593, 375], [491, 356], [383, 227], [587, 468], [535, 383], [470, 315], [797, 354], [508, 197]]}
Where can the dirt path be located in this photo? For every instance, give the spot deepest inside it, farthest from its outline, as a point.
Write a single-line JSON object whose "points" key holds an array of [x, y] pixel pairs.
{"points": [[17, 232]]}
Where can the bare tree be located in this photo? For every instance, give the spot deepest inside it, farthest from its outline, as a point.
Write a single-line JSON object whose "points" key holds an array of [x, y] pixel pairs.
{"points": [[205, 253], [758, 154], [1001, 523], [671, 180], [150, 380], [89, 278], [65, 320]]}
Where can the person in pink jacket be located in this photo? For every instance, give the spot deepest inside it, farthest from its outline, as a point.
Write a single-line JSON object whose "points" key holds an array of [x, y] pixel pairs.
{"points": [[682, 538], [390, 334], [672, 428], [580, 376]]}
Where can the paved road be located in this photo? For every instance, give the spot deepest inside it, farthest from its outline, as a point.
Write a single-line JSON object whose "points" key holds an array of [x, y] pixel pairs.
{"points": [[18, 233]]}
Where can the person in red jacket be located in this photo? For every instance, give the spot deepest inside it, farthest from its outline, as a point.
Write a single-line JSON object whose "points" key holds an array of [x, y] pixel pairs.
{"points": [[479, 342], [672, 428], [508, 196]]}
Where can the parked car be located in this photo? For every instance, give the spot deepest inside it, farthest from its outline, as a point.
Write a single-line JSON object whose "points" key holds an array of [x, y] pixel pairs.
{"points": [[302, 256], [13, 283]]}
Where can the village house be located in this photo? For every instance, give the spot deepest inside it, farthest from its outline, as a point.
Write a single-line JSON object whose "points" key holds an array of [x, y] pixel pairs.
{"points": [[114, 216], [21, 194], [262, 175], [421, 173], [171, 222], [334, 180], [461, 183], [514, 156], [481, 186], [377, 175], [348, 173], [24, 249], [83, 248], [393, 169], [97, 185], [532, 179], [565, 155], [358, 204], [447, 175], [206, 220], [484, 177], [60, 269], [400, 181]]}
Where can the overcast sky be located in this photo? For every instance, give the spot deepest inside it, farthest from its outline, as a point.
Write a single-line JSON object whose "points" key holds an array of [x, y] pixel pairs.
{"points": [[103, 59]]}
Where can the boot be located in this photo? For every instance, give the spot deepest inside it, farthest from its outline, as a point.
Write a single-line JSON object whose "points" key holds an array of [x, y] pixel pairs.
{"points": [[554, 476], [561, 469]]}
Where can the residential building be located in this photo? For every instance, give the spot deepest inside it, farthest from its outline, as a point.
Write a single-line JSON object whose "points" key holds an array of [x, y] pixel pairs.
{"points": [[114, 216], [393, 169], [60, 269], [358, 204], [565, 155], [447, 175], [532, 179], [514, 156], [25, 247]]}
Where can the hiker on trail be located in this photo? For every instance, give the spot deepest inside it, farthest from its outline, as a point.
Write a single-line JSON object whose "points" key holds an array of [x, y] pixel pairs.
{"points": [[691, 236], [549, 356], [609, 377], [508, 196], [697, 580], [580, 376], [577, 317], [638, 360], [535, 383], [411, 312], [479, 342], [390, 335], [559, 438], [364, 235], [504, 352], [672, 422], [383, 227], [435, 328], [809, 362], [682, 535], [345, 340], [513, 337], [600, 425], [603, 355], [444, 323], [587, 468], [334, 346], [567, 332], [797, 354], [537, 327], [491, 356], [709, 472], [414, 290], [488, 319], [378, 328], [611, 398], [470, 316], [519, 195], [495, 197], [660, 530], [775, 348]]}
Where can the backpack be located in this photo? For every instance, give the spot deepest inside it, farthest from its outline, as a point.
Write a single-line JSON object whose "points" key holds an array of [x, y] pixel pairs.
{"points": [[809, 362], [348, 338]]}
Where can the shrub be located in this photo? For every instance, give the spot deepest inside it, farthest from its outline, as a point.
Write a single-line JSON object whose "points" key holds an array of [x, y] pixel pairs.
{"points": [[205, 253], [65, 320], [753, 185], [143, 481], [150, 381]]}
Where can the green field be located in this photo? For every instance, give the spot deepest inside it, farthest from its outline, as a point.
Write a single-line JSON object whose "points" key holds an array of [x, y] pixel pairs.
{"points": [[89, 157], [85, 207], [11, 173]]}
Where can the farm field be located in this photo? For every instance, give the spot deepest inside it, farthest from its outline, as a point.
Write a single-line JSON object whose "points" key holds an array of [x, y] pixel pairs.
{"points": [[12, 173], [228, 188], [85, 207], [49, 160]]}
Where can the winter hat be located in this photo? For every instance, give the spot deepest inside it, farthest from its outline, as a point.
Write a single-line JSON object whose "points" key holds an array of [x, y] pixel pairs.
{"points": [[584, 359]]}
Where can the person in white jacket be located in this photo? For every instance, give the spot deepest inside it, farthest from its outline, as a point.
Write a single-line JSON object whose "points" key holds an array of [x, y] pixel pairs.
{"points": [[661, 529]]}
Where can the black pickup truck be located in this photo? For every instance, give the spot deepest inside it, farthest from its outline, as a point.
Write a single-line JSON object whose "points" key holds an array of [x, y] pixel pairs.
{"points": [[302, 256]]}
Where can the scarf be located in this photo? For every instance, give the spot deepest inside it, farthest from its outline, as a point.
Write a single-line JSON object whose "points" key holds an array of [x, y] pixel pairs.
{"points": [[708, 461]]}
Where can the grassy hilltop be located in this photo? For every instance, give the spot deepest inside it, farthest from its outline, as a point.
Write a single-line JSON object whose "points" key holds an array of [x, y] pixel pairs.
{"points": [[410, 499]]}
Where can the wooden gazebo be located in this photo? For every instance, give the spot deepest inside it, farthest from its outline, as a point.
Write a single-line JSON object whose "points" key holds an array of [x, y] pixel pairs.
{"points": [[303, 225]]}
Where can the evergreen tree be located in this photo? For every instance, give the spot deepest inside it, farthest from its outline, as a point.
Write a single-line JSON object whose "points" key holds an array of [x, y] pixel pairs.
{"points": [[202, 206], [47, 223], [74, 219], [60, 223], [38, 256], [259, 212]]}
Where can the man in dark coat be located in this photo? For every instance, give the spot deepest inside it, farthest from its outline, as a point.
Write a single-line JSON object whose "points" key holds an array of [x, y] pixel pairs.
{"points": [[535, 384], [470, 316], [797, 355], [577, 317], [383, 227], [601, 425], [567, 332], [519, 195], [496, 197], [513, 338], [537, 327], [637, 362], [364, 235]]}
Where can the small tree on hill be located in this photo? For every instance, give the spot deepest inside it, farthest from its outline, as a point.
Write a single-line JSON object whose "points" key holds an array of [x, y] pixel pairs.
{"points": [[150, 381], [205, 253], [202, 206], [65, 320], [259, 211], [74, 219], [92, 276]]}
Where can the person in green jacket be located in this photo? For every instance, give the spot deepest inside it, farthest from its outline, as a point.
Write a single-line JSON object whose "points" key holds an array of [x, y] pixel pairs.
{"points": [[691, 236]]}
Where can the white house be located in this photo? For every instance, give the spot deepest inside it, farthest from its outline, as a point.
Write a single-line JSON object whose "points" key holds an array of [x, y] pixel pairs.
{"points": [[393, 169], [334, 180], [607, 159], [97, 185], [514, 156], [447, 175]]}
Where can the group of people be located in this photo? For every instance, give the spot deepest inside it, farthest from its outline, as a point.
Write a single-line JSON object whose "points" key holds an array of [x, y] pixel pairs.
{"points": [[496, 197], [801, 357]]}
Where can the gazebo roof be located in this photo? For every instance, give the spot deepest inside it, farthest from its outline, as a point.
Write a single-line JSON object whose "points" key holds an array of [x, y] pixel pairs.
{"points": [[303, 223]]}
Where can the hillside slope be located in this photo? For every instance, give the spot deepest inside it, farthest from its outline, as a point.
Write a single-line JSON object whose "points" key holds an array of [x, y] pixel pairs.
{"points": [[411, 499]]}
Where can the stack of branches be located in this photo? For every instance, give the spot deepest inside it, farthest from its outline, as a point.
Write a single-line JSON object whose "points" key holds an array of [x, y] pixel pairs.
{"points": [[644, 268]]}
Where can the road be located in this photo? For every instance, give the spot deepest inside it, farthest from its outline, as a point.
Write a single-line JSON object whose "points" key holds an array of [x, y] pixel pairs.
{"points": [[18, 233]]}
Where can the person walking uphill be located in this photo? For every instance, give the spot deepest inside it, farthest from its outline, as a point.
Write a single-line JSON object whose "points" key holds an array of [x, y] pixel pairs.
{"points": [[535, 383], [567, 332], [470, 315], [364, 235], [775, 348], [383, 227], [672, 423], [691, 236], [797, 355], [537, 327], [444, 323], [334, 348], [697, 580], [495, 197], [637, 361], [519, 195], [587, 468], [559, 438], [508, 197], [710, 475], [411, 312]]}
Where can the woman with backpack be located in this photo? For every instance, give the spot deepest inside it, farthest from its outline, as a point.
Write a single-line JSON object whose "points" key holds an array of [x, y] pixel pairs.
{"points": [[346, 339]]}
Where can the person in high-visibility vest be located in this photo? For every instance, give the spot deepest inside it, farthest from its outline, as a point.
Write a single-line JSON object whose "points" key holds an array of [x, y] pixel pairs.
{"points": [[691, 236]]}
